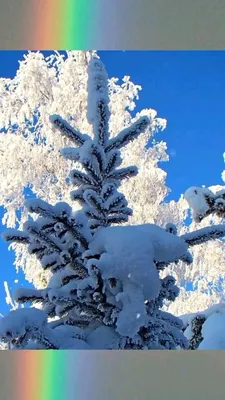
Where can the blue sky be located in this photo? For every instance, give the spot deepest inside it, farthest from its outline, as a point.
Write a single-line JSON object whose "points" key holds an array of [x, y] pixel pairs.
{"points": [[185, 87]]}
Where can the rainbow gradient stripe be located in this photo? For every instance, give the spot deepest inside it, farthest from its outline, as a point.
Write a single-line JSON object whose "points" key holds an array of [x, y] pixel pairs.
{"points": [[111, 375], [111, 24], [64, 24], [41, 375]]}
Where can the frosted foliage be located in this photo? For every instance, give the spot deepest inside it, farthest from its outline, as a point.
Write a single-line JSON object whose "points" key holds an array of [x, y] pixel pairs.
{"points": [[150, 181], [189, 302], [31, 266], [206, 272], [58, 85], [174, 212]]}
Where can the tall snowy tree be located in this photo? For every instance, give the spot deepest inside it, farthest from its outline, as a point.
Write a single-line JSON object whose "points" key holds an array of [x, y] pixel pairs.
{"points": [[58, 84], [105, 290], [31, 161]]}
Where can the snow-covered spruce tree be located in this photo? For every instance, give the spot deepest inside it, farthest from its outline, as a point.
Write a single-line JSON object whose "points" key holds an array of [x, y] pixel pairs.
{"points": [[96, 300], [105, 291], [30, 163]]}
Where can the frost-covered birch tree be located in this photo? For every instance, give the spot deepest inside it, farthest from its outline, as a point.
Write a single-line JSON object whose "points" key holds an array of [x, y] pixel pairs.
{"points": [[206, 274], [205, 329]]}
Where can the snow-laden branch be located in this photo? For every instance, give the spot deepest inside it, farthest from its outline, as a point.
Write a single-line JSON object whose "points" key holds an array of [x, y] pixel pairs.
{"points": [[127, 135], [204, 202], [204, 235], [67, 130], [13, 235]]}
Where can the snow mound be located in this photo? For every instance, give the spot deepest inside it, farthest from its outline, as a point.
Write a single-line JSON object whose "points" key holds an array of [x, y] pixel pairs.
{"points": [[196, 198], [130, 252], [16, 322]]}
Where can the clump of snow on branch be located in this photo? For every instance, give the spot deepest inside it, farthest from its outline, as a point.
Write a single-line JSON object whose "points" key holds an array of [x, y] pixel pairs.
{"points": [[129, 254], [196, 198], [205, 329], [203, 202]]}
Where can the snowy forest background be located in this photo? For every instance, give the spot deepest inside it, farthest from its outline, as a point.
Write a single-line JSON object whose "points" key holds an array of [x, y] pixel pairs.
{"points": [[31, 164]]}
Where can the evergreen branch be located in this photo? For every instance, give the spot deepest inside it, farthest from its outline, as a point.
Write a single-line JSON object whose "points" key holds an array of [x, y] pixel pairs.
{"points": [[77, 195], [13, 235], [29, 296], [68, 279], [46, 210], [40, 207], [194, 238], [48, 262], [101, 124], [90, 169], [78, 267], [92, 213], [99, 155], [22, 341], [36, 249], [56, 267], [117, 219], [49, 309], [124, 173], [93, 200], [62, 310], [66, 130], [196, 328], [187, 258], [204, 235], [43, 338], [123, 210], [36, 233], [95, 223], [79, 178], [114, 160], [128, 135], [116, 201], [88, 312], [69, 153], [108, 190]]}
